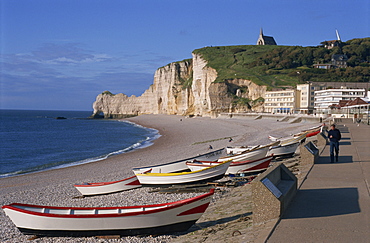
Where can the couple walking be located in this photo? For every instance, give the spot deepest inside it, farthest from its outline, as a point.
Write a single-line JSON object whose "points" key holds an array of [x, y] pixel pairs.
{"points": [[334, 137]]}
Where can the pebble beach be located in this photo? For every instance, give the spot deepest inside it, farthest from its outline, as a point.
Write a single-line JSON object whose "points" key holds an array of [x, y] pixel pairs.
{"points": [[180, 138]]}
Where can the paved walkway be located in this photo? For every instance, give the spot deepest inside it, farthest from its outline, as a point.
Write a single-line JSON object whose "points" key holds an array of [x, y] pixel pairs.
{"points": [[333, 203]]}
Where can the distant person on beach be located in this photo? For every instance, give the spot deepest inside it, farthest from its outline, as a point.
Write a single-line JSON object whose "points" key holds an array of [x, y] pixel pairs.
{"points": [[334, 137]]}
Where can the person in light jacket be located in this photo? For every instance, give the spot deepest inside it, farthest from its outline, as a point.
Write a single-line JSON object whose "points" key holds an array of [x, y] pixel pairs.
{"points": [[334, 137]]}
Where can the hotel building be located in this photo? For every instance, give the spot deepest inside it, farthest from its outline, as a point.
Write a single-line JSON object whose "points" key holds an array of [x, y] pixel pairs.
{"points": [[328, 97], [282, 101]]}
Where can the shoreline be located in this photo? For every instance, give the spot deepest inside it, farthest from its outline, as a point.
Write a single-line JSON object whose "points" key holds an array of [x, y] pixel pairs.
{"points": [[136, 146], [180, 138]]}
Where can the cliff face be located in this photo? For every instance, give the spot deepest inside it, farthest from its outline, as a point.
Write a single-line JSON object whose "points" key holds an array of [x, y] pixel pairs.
{"points": [[183, 88]]}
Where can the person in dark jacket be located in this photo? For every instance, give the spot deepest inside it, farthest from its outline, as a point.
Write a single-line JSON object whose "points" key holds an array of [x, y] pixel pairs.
{"points": [[334, 137]]}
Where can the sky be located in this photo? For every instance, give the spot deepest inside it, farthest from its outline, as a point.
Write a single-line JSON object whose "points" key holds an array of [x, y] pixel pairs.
{"points": [[60, 54]]}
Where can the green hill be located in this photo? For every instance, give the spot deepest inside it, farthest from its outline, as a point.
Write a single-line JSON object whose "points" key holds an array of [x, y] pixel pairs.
{"points": [[286, 66]]}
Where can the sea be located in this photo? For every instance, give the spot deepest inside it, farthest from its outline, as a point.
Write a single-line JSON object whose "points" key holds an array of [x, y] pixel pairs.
{"points": [[32, 141]]}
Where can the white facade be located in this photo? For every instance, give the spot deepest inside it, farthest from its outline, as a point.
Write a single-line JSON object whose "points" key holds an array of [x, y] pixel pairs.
{"points": [[306, 102], [325, 98], [282, 101]]}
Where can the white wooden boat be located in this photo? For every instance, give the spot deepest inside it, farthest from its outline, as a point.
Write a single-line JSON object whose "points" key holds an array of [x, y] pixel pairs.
{"points": [[167, 179], [180, 165], [289, 139], [299, 139], [258, 152], [235, 167], [239, 149], [99, 188], [95, 221], [283, 150]]}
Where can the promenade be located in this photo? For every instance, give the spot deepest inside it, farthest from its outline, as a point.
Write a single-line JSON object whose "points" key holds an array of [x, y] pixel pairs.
{"points": [[333, 203]]}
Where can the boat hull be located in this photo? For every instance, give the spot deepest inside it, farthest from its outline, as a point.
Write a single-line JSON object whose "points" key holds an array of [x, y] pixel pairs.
{"points": [[165, 229], [134, 220], [168, 179], [180, 165], [252, 155], [283, 150], [91, 189], [236, 167], [311, 134]]}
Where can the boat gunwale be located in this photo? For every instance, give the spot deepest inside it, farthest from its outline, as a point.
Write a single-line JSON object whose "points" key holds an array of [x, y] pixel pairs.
{"points": [[96, 184], [233, 163], [285, 145]]}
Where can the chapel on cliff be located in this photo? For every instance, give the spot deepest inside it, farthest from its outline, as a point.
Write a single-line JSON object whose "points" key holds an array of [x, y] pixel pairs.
{"points": [[265, 40]]}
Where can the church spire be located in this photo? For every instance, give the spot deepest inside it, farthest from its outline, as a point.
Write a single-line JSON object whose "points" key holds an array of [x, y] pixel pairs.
{"points": [[261, 32], [338, 36]]}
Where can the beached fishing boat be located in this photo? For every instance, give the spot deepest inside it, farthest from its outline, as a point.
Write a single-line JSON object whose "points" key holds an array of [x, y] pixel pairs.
{"points": [[312, 129], [311, 134], [258, 152], [299, 136], [289, 139], [283, 150], [167, 179], [235, 167], [239, 149], [95, 221], [99, 188], [180, 165]]}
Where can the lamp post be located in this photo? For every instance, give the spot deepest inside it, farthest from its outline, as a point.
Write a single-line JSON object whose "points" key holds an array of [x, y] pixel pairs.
{"points": [[367, 114]]}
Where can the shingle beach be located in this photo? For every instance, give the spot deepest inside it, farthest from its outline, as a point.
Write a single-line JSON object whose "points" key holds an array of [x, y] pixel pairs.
{"points": [[180, 138]]}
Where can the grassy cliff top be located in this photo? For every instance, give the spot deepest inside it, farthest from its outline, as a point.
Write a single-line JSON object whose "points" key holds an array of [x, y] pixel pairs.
{"points": [[286, 66]]}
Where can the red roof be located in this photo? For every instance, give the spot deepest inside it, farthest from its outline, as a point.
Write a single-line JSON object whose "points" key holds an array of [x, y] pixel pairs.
{"points": [[357, 101]]}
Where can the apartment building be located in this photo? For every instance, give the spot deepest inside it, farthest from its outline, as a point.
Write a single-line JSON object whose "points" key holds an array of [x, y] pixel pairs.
{"points": [[306, 102], [282, 101], [325, 98]]}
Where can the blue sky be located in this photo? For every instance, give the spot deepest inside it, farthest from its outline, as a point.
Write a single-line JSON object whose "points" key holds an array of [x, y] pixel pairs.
{"points": [[60, 54]]}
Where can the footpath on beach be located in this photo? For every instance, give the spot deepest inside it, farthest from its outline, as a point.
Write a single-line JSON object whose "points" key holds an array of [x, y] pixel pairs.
{"points": [[333, 203]]}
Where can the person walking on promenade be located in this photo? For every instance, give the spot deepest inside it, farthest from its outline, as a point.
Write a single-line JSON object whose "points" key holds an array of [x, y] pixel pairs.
{"points": [[334, 137]]}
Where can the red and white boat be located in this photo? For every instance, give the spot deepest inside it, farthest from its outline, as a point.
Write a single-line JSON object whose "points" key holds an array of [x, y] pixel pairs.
{"points": [[254, 153], [301, 135], [133, 220], [179, 165], [235, 167], [99, 188], [289, 139], [311, 134], [210, 173]]}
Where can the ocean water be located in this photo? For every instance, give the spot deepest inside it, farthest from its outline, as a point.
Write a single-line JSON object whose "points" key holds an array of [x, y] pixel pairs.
{"points": [[33, 141]]}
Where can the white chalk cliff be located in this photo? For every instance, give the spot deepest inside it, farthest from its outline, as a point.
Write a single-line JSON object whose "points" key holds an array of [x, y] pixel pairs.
{"points": [[183, 88]]}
